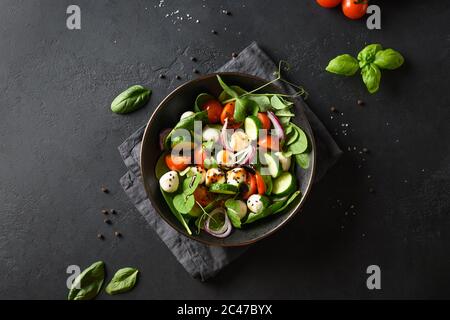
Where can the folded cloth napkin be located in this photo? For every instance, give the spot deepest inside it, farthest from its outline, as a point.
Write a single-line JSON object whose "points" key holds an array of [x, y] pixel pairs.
{"points": [[202, 261]]}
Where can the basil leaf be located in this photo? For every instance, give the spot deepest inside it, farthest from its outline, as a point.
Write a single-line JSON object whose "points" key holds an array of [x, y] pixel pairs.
{"points": [[183, 203], [287, 202], [191, 183], [225, 96], [201, 99], [371, 76], [88, 283], [240, 109], [131, 99], [367, 55], [263, 102], [344, 64], [226, 88], [388, 59], [277, 103], [232, 207], [302, 160], [122, 281], [301, 143]]}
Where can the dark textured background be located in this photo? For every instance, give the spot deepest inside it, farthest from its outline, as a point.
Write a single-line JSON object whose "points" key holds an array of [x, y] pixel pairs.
{"points": [[58, 143]]}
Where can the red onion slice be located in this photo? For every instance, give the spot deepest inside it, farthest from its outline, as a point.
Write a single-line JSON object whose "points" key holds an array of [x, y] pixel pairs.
{"points": [[226, 228], [224, 137], [276, 124], [162, 136]]}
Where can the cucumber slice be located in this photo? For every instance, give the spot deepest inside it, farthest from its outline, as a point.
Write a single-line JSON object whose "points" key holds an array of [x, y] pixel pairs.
{"points": [[224, 188], [284, 184], [252, 126], [273, 164]]}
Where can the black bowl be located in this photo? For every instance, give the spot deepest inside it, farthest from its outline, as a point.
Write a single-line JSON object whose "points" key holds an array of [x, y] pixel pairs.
{"points": [[167, 114]]}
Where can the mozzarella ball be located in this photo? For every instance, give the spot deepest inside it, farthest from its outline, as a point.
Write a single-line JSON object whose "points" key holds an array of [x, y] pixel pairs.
{"points": [[225, 157], [284, 161], [198, 169], [239, 140], [236, 176], [169, 181], [210, 134], [186, 114], [255, 203], [214, 175]]}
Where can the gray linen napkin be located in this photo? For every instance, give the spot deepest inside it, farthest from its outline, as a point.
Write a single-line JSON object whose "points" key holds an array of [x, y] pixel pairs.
{"points": [[199, 260]]}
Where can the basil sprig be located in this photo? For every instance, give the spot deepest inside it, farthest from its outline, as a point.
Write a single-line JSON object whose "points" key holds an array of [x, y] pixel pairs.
{"points": [[370, 60], [131, 99]]}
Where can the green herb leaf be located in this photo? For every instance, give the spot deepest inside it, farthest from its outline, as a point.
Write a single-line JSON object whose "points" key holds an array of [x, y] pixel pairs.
{"points": [[367, 55], [225, 96], [388, 59], [186, 123], [268, 183], [191, 183], [344, 64], [201, 99], [277, 103], [301, 143], [232, 207], [302, 160], [183, 203], [262, 101], [292, 137], [131, 99], [284, 113], [240, 109], [88, 283], [371, 76], [287, 202], [226, 88], [170, 202], [122, 281]]}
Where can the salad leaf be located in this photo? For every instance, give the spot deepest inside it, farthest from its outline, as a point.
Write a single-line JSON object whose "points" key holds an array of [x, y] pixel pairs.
{"points": [[191, 183], [201, 99], [186, 123], [277, 103], [302, 160], [292, 137], [284, 113], [301, 143], [268, 183], [225, 96], [183, 203], [262, 101], [123, 280], [131, 99], [240, 109], [226, 88], [232, 212], [287, 202], [88, 283]]}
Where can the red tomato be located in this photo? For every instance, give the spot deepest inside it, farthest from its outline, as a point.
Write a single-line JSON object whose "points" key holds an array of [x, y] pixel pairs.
{"points": [[214, 109], [251, 182], [260, 185], [202, 195], [265, 121], [328, 3], [354, 9], [199, 156], [267, 143], [228, 112], [177, 163]]}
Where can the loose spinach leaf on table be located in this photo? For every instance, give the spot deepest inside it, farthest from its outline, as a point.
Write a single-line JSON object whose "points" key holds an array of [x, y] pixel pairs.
{"points": [[88, 283], [123, 280], [131, 99]]}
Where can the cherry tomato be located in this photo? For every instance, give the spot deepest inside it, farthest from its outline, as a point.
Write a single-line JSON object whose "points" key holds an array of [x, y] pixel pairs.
{"points": [[260, 185], [214, 109], [228, 112], [202, 195], [265, 121], [354, 9], [251, 183], [267, 143], [177, 163], [199, 156], [328, 3]]}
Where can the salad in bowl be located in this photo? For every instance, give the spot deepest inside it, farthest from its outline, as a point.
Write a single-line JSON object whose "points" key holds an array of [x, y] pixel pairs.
{"points": [[233, 160]]}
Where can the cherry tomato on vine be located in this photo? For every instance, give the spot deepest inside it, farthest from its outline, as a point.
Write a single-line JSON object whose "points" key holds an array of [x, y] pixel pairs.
{"points": [[328, 3], [354, 9]]}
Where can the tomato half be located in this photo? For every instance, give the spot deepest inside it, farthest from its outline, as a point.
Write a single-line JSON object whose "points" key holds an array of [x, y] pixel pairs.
{"points": [[265, 121], [202, 195], [251, 183], [214, 109], [268, 143], [354, 9], [328, 3], [177, 163], [228, 112], [199, 156], [260, 185]]}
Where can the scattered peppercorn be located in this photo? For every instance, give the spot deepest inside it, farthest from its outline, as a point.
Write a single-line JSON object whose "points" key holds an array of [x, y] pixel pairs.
{"points": [[161, 76], [234, 55], [194, 59], [107, 221], [104, 189], [360, 102], [365, 150], [178, 77], [117, 234], [113, 211], [195, 71], [104, 211], [333, 109], [213, 31], [371, 190], [100, 236]]}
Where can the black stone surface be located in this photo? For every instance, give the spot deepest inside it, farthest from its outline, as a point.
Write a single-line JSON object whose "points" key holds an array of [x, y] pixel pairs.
{"points": [[58, 143]]}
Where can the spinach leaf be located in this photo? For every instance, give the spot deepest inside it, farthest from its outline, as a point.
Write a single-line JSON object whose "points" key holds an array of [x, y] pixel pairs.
{"points": [[367, 55], [277, 103], [183, 203], [171, 203], [287, 202], [232, 207], [131, 99], [191, 183], [240, 109], [344, 64], [371, 77], [292, 137], [388, 59], [223, 96], [284, 120], [268, 183], [288, 129], [88, 283], [262, 101], [301, 143], [284, 113], [123, 280], [186, 123], [201, 99], [302, 160], [226, 88], [252, 217]]}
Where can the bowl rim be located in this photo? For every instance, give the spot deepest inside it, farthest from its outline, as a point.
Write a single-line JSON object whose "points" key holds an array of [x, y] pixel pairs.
{"points": [[294, 211]]}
